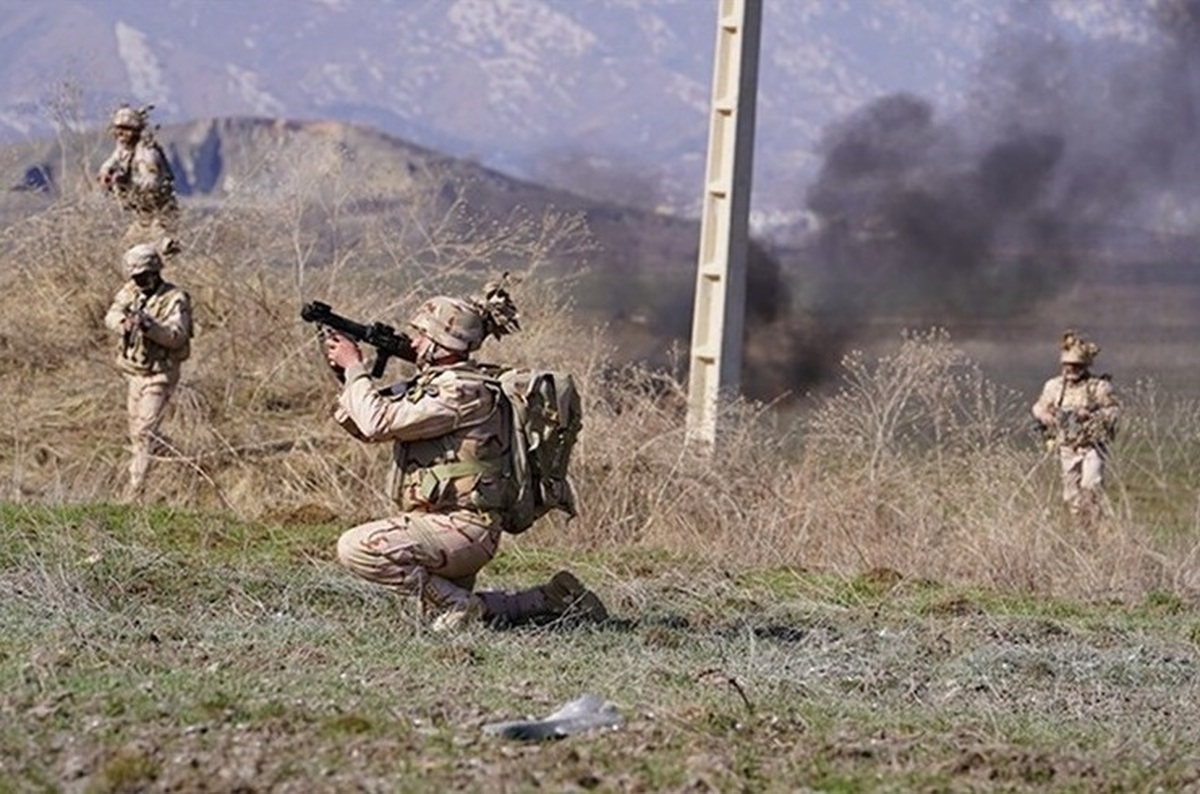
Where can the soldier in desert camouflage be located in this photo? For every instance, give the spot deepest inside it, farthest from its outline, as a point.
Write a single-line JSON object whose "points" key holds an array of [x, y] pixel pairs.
{"points": [[138, 175], [451, 474], [1079, 411], [154, 321]]}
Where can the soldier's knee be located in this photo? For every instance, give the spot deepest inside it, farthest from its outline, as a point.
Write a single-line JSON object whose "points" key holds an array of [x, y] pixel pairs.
{"points": [[350, 549]]}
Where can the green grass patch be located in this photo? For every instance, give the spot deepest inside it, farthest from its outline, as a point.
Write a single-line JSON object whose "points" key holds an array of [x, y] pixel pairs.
{"points": [[142, 654]]}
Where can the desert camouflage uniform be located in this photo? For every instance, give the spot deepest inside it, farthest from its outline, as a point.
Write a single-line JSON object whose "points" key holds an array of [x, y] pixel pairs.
{"points": [[1082, 444], [150, 357], [140, 177], [449, 477]]}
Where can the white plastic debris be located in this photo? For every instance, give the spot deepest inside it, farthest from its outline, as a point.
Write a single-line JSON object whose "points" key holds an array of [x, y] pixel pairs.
{"points": [[585, 713]]}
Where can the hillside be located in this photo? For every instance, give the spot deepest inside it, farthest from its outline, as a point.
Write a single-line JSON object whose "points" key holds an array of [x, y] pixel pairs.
{"points": [[631, 271], [263, 162], [605, 97]]}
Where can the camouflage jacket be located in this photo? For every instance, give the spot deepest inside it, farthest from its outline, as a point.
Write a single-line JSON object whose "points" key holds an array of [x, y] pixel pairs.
{"points": [[1059, 402], [164, 341], [451, 440], [141, 178]]}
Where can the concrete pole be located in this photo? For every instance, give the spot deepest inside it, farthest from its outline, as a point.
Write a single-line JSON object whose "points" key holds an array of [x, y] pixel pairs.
{"points": [[718, 318]]}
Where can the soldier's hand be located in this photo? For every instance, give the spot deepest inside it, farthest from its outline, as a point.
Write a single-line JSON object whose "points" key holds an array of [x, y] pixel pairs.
{"points": [[134, 321], [1083, 413], [341, 352]]}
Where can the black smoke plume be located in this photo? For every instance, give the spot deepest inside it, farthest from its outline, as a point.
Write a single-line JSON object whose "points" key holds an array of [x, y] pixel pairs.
{"points": [[1062, 147]]}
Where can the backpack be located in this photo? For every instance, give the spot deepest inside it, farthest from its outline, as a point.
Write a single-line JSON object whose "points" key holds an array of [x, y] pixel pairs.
{"points": [[546, 416]]}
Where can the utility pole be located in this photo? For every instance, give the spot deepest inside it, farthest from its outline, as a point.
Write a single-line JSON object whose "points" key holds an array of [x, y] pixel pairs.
{"points": [[718, 318]]}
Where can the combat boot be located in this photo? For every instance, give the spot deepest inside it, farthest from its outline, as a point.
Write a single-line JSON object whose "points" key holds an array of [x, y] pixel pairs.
{"points": [[459, 617], [567, 597]]}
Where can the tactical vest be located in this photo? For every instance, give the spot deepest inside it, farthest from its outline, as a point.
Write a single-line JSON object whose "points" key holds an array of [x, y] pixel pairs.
{"points": [[468, 468], [139, 355], [140, 191], [1071, 431]]}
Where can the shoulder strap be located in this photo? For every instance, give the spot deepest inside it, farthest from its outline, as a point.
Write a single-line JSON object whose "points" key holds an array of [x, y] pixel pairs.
{"points": [[518, 445]]}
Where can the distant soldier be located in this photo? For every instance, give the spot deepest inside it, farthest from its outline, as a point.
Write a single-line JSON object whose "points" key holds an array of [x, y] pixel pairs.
{"points": [[1079, 412], [452, 473], [154, 320], [138, 174]]}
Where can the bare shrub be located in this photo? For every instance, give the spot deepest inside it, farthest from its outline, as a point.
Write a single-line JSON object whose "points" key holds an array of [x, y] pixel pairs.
{"points": [[250, 429], [926, 471], [918, 464]]}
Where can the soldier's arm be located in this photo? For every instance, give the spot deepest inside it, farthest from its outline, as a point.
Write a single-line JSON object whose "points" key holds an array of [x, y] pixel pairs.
{"points": [[452, 403], [393, 392], [1107, 405], [173, 330], [114, 319], [347, 423], [151, 168], [110, 168], [1044, 409]]}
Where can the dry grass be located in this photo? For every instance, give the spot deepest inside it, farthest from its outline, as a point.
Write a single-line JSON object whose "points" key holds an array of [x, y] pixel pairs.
{"points": [[855, 595], [163, 650], [918, 465]]}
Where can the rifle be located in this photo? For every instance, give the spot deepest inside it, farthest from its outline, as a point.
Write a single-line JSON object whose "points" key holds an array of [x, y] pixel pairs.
{"points": [[129, 336], [118, 175], [387, 341]]}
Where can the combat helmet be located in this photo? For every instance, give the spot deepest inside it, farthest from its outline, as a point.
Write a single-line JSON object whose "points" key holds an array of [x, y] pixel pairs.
{"points": [[461, 324], [126, 117], [143, 258], [1075, 349], [453, 323]]}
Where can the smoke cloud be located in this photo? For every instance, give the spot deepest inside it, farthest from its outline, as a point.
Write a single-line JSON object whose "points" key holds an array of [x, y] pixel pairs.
{"points": [[1061, 147]]}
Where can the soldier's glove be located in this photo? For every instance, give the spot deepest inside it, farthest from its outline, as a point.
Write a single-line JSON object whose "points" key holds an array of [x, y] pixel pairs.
{"points": [[1043, 433], [323, 334], [135, 321]]}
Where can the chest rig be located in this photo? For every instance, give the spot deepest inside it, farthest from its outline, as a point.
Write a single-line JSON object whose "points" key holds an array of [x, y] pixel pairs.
{"points": [[468, 468]]}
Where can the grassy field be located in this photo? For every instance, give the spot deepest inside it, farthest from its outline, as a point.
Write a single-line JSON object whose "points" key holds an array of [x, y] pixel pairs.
{"points": [[873, 589], [174, 651]]}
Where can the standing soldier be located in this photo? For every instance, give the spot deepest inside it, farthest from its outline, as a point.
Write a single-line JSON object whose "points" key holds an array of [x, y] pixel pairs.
{"points": [[451, 473], [1079, 412], [154, 320], [138, 174]]}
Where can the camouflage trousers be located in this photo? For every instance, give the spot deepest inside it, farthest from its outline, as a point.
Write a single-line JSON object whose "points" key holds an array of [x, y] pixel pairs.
{"points": [[1083, 480], [146, 402], [435, 557]]}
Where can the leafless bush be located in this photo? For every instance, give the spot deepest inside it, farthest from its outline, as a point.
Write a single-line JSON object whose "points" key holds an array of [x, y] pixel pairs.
{"points": [[250, 430], [918, 464]]}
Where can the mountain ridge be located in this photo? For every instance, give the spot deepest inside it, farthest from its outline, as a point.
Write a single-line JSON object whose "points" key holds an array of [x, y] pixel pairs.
{"points": [[559, 93]]}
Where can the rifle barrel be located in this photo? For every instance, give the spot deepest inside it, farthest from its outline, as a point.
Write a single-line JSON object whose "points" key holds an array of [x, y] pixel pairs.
{"points": [[385, 339]]}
